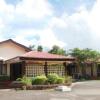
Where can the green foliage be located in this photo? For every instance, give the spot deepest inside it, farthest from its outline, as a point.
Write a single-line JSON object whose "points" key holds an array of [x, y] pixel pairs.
{"points": [[68, 79], [52, 78], [84, 54], [42, 80], [60, 80], [39, 80], [25, 80], [40, 48], [32, 47], [4, 78], [57, 50]]}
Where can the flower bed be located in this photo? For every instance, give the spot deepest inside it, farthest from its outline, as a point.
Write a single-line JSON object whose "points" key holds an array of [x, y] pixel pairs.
{"points": [[41, 82], [35, 87]]}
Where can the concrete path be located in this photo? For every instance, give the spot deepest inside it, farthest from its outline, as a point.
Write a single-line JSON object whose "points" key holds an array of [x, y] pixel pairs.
{"points": [[89, 90]]}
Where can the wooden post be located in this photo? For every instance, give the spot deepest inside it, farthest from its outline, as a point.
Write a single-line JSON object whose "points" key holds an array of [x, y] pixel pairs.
{"points": [[23, 68], [92, 69], [65, 65], [45, 69]]}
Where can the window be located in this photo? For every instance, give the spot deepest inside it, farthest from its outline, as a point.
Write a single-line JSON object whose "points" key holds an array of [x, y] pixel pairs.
{"points": [[58, 69], [34, 70]]}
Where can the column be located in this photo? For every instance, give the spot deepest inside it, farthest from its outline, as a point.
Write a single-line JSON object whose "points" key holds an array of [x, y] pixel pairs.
{"points": [[23, 68], [65, 65], [45, 69]]}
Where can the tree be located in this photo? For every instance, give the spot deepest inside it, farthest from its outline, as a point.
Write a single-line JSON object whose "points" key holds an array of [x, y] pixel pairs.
{"points": [[83, 55], [57, 50], [40, 48], [32, 47]]}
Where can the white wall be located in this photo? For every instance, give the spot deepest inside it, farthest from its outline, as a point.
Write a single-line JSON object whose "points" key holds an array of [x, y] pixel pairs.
{"points": [[8, 69], [9, 50]]}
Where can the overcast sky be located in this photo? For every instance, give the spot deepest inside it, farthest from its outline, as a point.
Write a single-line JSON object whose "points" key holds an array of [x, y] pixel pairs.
{"points": [[67, 23]]}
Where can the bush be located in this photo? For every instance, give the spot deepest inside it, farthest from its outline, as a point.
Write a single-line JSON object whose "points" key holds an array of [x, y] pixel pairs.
{"points": [[68, 79], [25, 80], [52, 78], [60, 80], [4, 78], [39, 80]]}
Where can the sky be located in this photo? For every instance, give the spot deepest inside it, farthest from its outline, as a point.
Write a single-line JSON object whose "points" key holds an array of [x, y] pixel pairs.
{"points": [[66, 23]]}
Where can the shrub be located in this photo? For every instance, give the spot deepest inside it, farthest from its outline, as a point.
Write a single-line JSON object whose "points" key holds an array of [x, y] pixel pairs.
{"points": [[39, 80], [25, 80], [68, 79], [60, 80], [4, 78], [52, 78]]}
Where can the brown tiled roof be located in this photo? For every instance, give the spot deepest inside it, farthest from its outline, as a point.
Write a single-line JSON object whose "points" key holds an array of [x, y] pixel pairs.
{"points": [[45, 55], [18, 44]]}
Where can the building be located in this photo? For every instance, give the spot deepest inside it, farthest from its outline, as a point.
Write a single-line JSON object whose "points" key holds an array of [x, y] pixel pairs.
{"points": [[17, 60]]}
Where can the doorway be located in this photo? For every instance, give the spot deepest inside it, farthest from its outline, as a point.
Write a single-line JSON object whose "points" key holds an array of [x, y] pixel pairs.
{"points": [[71, 69], [98, 70], [15, 71]]}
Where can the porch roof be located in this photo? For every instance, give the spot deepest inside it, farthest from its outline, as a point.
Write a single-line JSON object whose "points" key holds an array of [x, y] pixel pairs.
{"points": [[35, 55], [44, 55]]}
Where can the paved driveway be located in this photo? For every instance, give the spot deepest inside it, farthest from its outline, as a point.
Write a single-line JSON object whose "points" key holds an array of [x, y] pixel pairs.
{"points": [[81, 91]]}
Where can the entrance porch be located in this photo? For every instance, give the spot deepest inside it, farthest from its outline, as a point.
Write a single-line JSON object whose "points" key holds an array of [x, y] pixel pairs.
{"points": [[39, 63]]}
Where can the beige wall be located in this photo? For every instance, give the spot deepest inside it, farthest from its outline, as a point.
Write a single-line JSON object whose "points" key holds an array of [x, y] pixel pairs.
{"points": [[88, 70], [8, 69], [95, 70], [10, 50]]}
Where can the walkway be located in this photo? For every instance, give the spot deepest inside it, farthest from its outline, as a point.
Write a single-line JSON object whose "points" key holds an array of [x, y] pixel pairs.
{"points": [[89, 90]]}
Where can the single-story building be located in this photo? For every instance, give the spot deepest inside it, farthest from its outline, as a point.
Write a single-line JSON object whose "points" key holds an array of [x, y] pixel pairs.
{"points": [[17, 60], [36, 63]]}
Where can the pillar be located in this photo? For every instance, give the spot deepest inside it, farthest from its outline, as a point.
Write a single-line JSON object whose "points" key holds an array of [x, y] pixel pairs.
{"points": [[65, 65], [23, 68], [45, 69]]}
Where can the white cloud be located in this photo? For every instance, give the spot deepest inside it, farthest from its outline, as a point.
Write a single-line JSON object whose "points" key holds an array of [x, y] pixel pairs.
{"points": [[94, 19], [57, 22], [79, 29], [36, 9], [46, 38], [82, 27]]}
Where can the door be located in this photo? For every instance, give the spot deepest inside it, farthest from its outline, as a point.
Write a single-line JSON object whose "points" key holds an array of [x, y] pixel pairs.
{"points": [[98, 70], [15, 71], [71, 70]]}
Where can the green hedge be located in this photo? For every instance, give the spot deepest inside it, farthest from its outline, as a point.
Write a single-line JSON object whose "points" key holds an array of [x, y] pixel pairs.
{"points": [[39, 80], [52, 78], [25, 80], [60, 80], [42, 80]]}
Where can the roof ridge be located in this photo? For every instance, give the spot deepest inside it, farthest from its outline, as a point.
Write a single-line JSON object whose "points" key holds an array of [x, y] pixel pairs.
{"points": [[21, 45]]}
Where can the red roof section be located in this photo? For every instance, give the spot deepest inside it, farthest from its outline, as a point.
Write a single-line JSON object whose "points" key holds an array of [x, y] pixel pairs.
{"points": [[44, 55]]}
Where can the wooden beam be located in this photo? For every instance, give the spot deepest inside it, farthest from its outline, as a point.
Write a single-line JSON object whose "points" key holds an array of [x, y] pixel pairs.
{"points": [[45, 69], [47, 59]]}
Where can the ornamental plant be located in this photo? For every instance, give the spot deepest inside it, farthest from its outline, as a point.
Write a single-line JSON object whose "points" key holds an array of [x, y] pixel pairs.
{"points": [[52, 78], [39, 80]]}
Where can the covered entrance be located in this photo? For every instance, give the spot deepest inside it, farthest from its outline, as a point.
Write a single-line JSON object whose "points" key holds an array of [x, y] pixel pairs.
{"points": [[72, 70], [39, 63], [15, 71]]}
